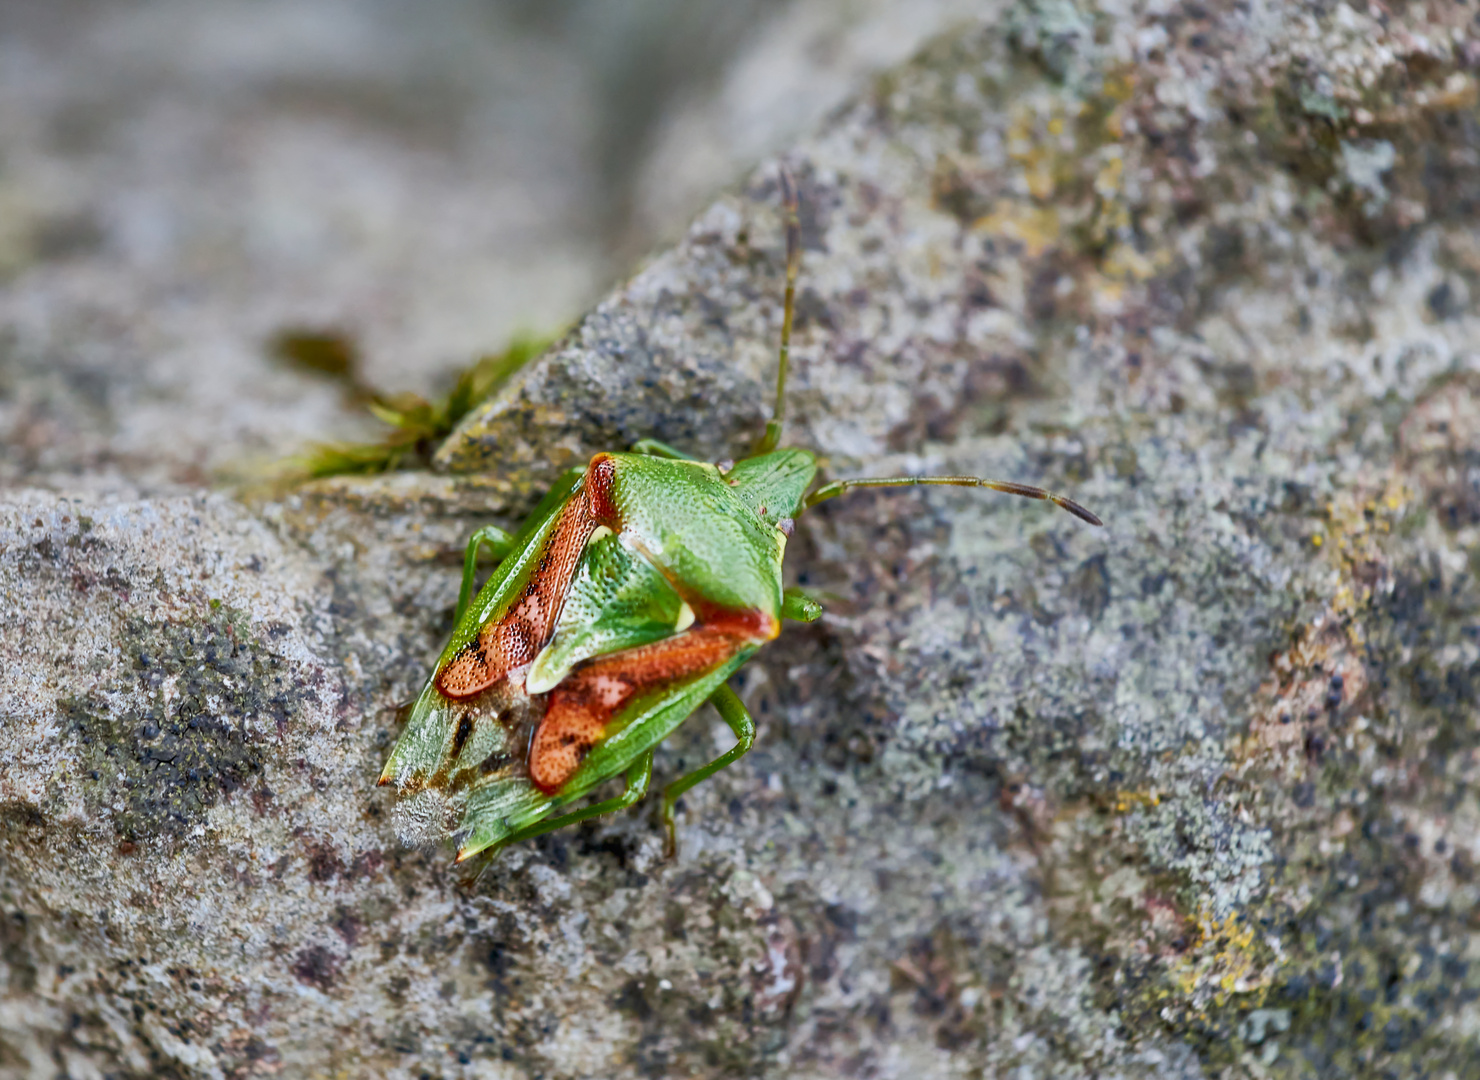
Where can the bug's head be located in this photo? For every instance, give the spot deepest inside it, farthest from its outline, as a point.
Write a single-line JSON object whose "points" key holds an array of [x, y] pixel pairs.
{"points": [[773, 484]]}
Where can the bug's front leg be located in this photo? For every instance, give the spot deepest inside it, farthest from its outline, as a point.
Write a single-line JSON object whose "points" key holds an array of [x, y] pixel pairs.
{"points": [[638, 775], [498, 542], [798, 606], [732, 712]]}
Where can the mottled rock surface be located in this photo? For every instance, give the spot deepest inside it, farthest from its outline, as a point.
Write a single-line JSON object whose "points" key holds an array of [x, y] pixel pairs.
{"points": [[1193, 795]]}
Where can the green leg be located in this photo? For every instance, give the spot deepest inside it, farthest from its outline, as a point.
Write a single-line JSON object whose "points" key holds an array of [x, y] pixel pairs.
{"points": [[797, 606], [499, 542], [732, 712], [654, 448], [638, 775]]}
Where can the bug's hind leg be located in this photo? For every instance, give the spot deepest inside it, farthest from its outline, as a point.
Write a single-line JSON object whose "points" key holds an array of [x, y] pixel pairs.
{"points": [[657, 448], [638, 775], [732, 712], [498, 542]]}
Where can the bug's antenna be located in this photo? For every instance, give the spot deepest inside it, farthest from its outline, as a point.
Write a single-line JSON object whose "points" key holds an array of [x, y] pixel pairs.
{"points": [[1010, 487], [772, 436]]}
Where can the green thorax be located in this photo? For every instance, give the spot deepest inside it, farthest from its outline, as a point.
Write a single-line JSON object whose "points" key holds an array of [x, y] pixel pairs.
{"points": [[713, 536], [693, 540]]}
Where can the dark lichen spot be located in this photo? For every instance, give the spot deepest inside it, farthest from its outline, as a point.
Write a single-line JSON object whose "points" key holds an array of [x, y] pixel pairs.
{"points": [[316, 966], [1443, 302], [67, 236], [633, 999], [1090, 586], [15, 951], [366, 864], [22, 814], [347, 925], [952, 192], [324, 863], [168, 760]]}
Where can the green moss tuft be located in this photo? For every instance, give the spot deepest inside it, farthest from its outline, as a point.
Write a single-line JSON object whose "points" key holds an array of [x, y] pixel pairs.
{"points": [[418, 426]]}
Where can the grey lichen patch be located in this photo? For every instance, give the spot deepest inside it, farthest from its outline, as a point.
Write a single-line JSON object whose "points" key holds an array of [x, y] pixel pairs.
{"points": [[1380, 834], [1364, 163], [1059, 34], [1373, 130], [206, 703], [723, 987]]}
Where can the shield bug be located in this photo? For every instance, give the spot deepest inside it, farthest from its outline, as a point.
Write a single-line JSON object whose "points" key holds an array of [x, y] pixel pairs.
{"points": [[638, 585]]}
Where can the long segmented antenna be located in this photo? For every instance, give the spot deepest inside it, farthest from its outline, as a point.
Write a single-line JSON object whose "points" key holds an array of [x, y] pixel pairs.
{"points": [[838, 487], [772, 437]]}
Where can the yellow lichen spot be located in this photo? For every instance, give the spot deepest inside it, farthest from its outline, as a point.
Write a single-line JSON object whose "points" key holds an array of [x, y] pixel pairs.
{"points": [[1040, 180], [1223, 958], [1124, 263], [1459, 92], [1023, 147], [1036, 228], [1317, 540], [1108, 179], [1056, 126], [1119, 86], [1107, 294], [1124, 802]]}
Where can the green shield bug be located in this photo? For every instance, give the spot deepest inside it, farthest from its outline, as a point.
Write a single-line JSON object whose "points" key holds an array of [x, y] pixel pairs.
{"points": [[637, 586]]}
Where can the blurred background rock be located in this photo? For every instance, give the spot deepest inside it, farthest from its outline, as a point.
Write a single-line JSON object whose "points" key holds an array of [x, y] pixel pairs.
{"points": [[182, 181]]}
